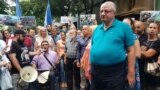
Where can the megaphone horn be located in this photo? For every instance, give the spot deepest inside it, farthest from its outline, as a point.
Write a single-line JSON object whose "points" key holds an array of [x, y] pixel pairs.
{"points": [[43, 77], [28, 74]]}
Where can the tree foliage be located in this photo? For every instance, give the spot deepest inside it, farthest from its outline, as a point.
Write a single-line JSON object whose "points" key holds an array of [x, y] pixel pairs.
{"points": [[81, 6], [3, 7], [58, 8], [36, 9]]}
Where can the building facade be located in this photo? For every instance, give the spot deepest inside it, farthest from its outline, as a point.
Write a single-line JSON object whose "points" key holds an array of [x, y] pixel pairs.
{"points": [[129, 8]]}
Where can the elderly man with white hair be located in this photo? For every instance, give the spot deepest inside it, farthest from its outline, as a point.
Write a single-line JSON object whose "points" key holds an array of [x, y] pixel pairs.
{"points": [[112, 52]]}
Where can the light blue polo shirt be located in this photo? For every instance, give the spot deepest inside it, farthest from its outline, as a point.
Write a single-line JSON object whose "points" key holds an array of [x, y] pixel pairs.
{"points": [[109, 46]]}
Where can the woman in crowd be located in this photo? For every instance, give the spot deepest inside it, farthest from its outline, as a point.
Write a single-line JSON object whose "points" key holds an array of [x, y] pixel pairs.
{"points": [[6, 35], [4, 65], [3, 47], [149, 53], [43, 35], [85, 60], [61, 52]]}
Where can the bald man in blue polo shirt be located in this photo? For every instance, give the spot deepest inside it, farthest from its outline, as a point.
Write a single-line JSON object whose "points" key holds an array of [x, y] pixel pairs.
{"points": [[112, 53]]}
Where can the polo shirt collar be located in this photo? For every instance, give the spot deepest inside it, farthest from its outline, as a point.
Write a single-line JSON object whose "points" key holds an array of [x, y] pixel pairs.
{"points": [[112, 25]]}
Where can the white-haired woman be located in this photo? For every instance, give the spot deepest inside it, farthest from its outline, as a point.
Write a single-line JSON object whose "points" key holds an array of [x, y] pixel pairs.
{"points": [[42, 36]]}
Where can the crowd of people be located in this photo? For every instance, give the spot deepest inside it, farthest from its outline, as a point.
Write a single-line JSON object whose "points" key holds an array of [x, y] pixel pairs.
{"points": [[109, 56], [63, 46]]}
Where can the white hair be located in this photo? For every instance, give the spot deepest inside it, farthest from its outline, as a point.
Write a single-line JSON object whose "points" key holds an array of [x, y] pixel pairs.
{"points": [[38, 27], [43, 28], [110, 4]]}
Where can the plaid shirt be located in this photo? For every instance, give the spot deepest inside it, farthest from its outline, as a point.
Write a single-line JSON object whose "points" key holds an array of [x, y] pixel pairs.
{"points": [[72, 49]]}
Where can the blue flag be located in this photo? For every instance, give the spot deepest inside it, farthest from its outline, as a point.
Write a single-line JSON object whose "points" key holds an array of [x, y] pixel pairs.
{"points": [[48, 16], [18, 9]]}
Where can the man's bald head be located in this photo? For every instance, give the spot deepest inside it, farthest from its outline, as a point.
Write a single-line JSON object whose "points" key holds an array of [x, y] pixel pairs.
{"points": [[139, 27], [111, 5]]}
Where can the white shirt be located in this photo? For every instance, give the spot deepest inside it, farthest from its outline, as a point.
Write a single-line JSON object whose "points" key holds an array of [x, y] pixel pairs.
{"points": [[2, 46]]}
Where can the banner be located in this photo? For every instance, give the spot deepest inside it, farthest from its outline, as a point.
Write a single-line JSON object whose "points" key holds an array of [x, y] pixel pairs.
{"points": [[88, 19], [64, 19], [150, 16], [12, 20], [8, 20], [28, 20]]}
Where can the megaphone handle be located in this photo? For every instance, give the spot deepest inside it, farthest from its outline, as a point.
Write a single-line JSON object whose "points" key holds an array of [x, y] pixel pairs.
{"points": [[21, 83]]}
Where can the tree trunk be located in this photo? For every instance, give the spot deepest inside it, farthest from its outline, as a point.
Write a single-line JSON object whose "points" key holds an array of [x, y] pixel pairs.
{"points": [[85, 6], [91, 7]]}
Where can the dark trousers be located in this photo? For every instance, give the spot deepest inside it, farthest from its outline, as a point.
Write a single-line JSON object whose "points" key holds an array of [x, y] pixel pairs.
{"points": [[72, 71], [49, 85], [108, 77]]}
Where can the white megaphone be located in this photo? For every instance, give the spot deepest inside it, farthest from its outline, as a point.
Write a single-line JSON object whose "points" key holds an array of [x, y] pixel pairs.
{"points": [[28, 74], [43, 77]]}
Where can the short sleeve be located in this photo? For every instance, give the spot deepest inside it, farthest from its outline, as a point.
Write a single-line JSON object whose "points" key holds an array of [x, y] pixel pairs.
{"points": [[56, 57], [13, 48], [3, 44], [135, 37], [35, 60], [156, 45], [129, 36]]}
